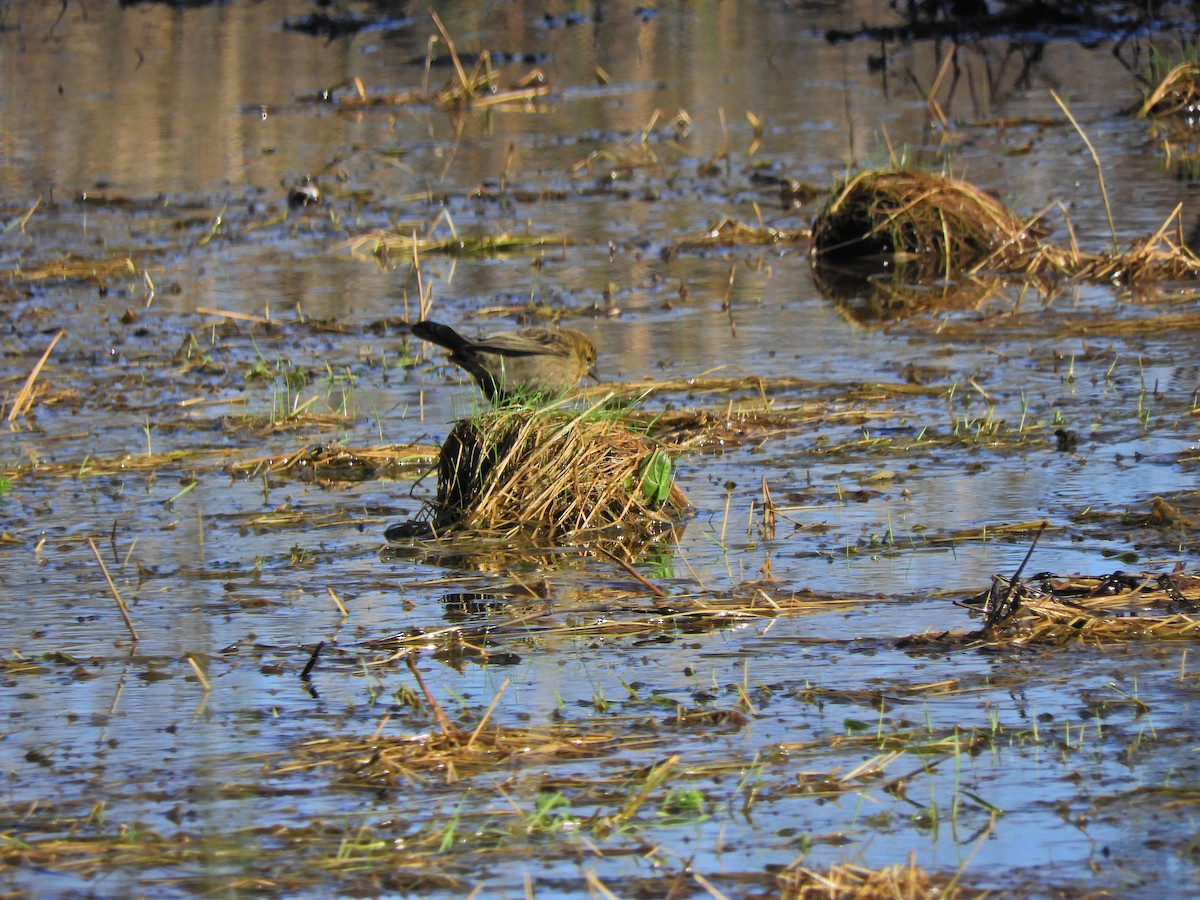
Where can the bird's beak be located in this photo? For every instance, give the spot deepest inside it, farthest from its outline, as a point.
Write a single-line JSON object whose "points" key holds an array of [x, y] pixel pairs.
{"points": [[593, 374]]}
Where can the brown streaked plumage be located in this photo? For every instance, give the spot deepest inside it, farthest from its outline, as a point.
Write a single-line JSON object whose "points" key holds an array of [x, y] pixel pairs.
{"points": [[542, 362]]}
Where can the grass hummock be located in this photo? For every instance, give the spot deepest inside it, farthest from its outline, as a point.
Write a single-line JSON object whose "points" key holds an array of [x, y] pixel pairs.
{"points": [[930, 228], [941, 225], [553, 473]]}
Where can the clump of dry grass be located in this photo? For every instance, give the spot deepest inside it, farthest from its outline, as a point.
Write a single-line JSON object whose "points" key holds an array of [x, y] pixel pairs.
{"points": [[943, 225], [476, 88], [333, 462], [72, 267], [1171, 106], [397, 762], [843, 880], [732, 233], [453, 751], [934, 227], [1162, 255], [553, 473], [1052, 610], [1178, 91]]}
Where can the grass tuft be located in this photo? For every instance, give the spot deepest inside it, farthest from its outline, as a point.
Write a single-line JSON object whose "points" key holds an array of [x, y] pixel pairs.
{"points": [[553, 473], [941, 225]]}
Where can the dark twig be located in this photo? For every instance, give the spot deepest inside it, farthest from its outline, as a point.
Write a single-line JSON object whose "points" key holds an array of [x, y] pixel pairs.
{"points": [[1008, 607]]}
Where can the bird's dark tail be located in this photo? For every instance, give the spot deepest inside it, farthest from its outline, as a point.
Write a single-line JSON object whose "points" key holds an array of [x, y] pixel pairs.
{"points": [[442, 335], [462, 352]]}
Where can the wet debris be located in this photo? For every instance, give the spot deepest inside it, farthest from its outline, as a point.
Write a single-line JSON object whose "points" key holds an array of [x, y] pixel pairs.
{"points": [[794, 193], [383, 244], [1053, 610], [730, 233], [1162, 255], [389, 762], [1166, 515], [335, 463], [475, 82]]}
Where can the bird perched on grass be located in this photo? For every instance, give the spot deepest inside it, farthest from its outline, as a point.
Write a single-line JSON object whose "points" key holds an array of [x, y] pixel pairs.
{"points": [[538, 363]]}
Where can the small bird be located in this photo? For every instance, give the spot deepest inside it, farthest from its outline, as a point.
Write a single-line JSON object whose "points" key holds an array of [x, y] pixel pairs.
{"points": [[541, 362]]}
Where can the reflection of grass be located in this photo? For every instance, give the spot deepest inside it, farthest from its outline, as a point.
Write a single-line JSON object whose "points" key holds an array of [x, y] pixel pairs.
{"points": [[932, 540]]}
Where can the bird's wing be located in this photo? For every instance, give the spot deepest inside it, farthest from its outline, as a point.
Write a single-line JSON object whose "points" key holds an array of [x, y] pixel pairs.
{"points": [[514, 344]]}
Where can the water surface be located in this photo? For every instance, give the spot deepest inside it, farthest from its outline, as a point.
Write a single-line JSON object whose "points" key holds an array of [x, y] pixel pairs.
{"points": [[170, 136]]}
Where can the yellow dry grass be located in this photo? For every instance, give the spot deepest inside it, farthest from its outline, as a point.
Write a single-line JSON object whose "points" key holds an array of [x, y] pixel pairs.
{"points": [[843, 881], [934, 227], [939, 224], [1178, 91], [551, 473], [1049, 610]]}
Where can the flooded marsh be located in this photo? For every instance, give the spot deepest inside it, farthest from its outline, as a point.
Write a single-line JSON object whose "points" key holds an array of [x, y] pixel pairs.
{"points": [[926, 625]]}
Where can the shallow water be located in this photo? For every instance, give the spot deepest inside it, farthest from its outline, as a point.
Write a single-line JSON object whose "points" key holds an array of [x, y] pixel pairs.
{"points": [[171, 136]]}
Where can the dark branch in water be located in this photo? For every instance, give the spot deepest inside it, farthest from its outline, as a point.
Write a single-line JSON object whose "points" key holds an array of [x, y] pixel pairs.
{"points": [[1008, 605]]}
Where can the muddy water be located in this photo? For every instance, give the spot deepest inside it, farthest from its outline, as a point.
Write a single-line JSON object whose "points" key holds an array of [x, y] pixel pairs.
{"points": [[170, 137]]}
